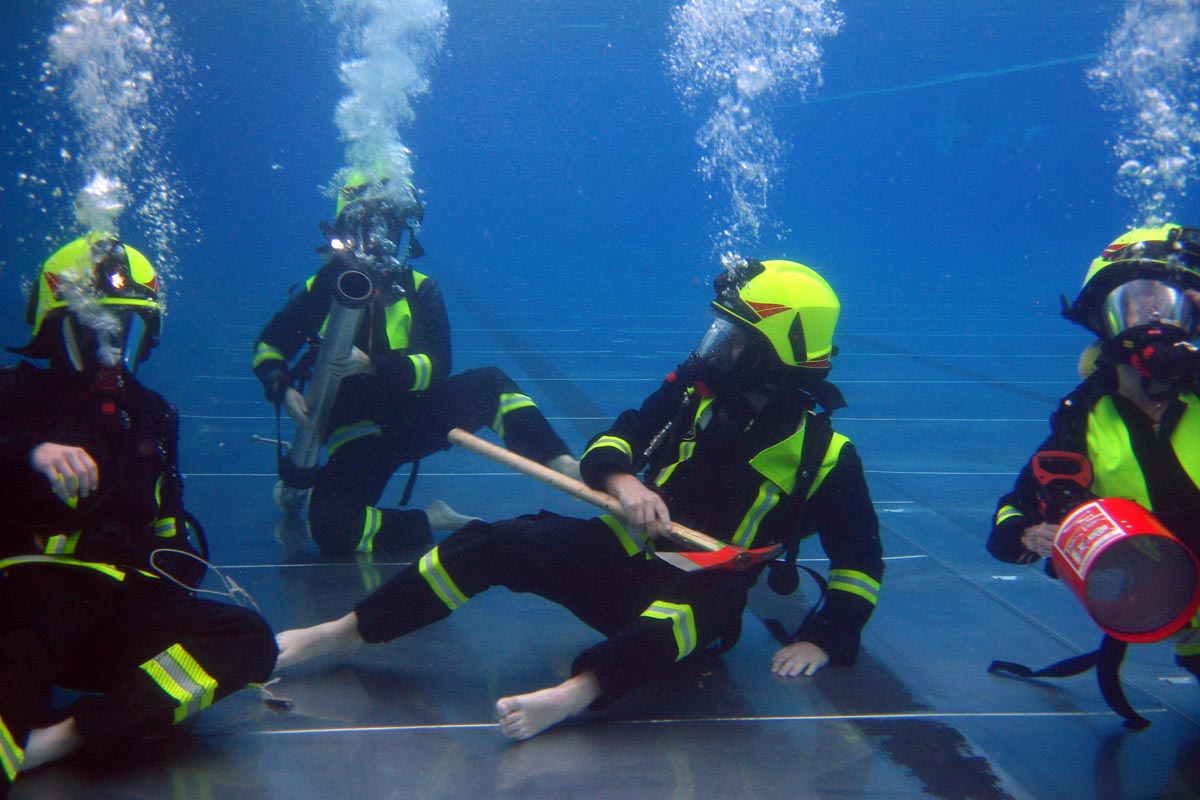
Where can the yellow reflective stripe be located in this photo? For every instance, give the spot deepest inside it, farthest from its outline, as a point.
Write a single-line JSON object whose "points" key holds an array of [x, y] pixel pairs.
{"points": [[855, 582], [264, 352], [1186, 432], [508, 403], [104, 569], [440, 581], [348, 433], [165, 527], [372, 522], [683, 623], [422, 371], [687, 445], [1006, 513], [1187, 641], [183, 679], [685, 452], [768, 497], [615, 525], [11, 754], [158, 484], [832, 454], [611, 441], [62, 544]]}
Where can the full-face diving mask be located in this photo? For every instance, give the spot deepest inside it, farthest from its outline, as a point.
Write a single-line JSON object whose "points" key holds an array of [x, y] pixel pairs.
{"points": [[376, 234], [108, 337], [1149, 324]]}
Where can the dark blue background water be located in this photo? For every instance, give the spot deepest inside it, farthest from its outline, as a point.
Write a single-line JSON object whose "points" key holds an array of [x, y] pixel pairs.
{"points": [[946, 152]]}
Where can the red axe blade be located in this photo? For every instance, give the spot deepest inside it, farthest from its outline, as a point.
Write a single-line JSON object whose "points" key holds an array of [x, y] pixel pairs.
{"points": [[730, 557]]}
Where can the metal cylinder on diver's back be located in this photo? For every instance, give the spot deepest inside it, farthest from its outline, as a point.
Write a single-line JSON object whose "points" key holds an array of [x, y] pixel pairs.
{"points": [[352, 292], [1136, 580]]}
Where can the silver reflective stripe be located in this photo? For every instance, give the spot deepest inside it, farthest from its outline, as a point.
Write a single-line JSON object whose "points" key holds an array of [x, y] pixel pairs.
{"points": [[431, 569], [683, 623], [181, 677]]}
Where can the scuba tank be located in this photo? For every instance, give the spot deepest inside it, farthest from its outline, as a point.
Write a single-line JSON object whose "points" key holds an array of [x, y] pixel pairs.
{"points": [[298, 469]]}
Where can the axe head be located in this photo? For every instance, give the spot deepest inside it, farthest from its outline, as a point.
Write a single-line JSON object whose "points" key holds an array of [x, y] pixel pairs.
{"points": [[729, 557]]}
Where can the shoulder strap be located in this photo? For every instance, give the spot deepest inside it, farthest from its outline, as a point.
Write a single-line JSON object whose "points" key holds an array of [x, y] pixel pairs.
{"points": [[1107, 660], [1069, 420]]}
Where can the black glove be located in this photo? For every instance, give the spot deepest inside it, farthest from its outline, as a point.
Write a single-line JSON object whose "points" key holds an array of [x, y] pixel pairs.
{"points": [[275, 378]]}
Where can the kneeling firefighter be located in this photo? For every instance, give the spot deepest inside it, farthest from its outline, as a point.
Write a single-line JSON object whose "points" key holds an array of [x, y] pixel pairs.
{"points": [[99, 561], [1130, 435], [377, 361]]}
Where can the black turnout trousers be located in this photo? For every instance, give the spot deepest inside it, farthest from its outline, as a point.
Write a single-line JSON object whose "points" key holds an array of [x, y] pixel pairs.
{"points": [[342, 513], [75, 628], [653, 614]]}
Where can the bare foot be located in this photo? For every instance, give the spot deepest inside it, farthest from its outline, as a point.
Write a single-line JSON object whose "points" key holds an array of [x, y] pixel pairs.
{"points": [[45, 745], [444, 518], [336, 638], [524, 716], [566, 464]]}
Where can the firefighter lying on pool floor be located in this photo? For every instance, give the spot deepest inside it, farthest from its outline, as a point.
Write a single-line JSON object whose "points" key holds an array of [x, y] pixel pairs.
{"points": [[733, 445]]}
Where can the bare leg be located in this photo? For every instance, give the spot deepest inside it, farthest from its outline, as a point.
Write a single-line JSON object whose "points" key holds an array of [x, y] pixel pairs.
{"points": [[524, 716], [338, 637], [444, 518], [50, 744]]}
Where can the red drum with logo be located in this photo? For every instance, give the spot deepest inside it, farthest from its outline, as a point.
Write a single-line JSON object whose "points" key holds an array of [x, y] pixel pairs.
{"points": [[1136, 580]]}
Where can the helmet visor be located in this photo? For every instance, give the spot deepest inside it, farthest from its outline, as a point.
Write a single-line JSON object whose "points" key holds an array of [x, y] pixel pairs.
{"points": [[109, 337], [1147, 301], [721, 344]]}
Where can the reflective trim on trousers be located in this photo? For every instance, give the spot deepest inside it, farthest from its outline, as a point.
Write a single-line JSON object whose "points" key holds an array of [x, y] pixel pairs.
{"points": [[508, 403], [431, 569], [348, 433], [683, 623], [372, 522], [183, 679], [11, 754], [62, 544]]}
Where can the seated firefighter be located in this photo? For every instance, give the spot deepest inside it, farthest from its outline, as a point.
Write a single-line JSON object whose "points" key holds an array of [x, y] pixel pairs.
{"points": [[1136, 416], [96, 567], [731, 444], [396, 400]]}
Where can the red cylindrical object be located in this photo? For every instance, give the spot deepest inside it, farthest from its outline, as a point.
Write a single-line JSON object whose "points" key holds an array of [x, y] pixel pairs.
{"points": [[1135, 579]]}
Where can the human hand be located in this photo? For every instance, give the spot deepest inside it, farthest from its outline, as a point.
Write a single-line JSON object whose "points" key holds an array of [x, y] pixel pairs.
{"points": [[798, 658], [297, 407], [642, 509], [71, 470], [355, 363], [1040, 538]]}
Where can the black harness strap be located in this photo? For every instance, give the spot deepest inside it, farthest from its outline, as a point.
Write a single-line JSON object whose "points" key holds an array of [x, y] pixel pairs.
{"points": [[1107, 661]]}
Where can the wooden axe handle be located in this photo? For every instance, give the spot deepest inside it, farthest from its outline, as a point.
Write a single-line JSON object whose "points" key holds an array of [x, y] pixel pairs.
{"points": [[677, 532]]}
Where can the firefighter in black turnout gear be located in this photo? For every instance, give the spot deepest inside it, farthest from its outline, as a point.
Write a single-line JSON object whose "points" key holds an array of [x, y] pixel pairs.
{"points": [[96, 564], [397, 399], [1136, 416], [731, 444]]}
